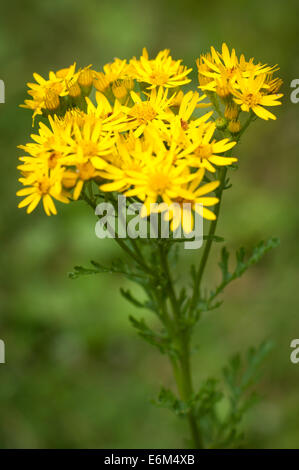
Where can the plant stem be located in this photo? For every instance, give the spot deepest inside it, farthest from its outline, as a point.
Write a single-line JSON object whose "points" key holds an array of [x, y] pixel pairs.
{"points": [[181, 370], [209, 242], [187, 391]]}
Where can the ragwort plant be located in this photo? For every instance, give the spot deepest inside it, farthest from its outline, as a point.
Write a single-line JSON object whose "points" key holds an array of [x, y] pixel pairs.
{"points": [[131, 129]]}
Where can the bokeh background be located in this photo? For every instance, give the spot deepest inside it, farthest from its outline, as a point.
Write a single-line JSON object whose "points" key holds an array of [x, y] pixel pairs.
{"points": [[77, 375]]}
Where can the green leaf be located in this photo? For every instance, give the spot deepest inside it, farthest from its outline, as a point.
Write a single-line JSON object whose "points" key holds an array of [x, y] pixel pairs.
{"points": [[207, 397], [167, 399], [159, 340], [81, 271], [214, 238], [224, 264], [241, 266], [117, 267], [240, 376], [128, 296]]}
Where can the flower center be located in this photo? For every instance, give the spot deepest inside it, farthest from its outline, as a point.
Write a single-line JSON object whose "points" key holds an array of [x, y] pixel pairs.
{"points": [[143, 112], [252, 100], [204, 151], [86, 171], [52, 160], [43, 186], [159, 77], [159, 182], [90, 149]]}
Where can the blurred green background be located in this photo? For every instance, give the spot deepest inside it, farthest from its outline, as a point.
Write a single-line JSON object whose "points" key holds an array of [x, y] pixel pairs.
{"points": [[77, 375]]}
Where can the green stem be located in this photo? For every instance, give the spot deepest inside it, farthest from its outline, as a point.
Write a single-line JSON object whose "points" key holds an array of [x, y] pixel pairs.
{"points": [[213, 225], [209, 242], [181, 337], [186, 391], [166, 272]]}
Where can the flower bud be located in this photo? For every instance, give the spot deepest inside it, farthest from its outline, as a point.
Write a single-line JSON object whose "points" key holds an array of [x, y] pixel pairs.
{"points": [[101, 82], [85, 78], [129, 83], [231, 111], [119, 90], [234, 126], [221, 123], [75, 91], [52, 102], [274, 85], [223, 91]]}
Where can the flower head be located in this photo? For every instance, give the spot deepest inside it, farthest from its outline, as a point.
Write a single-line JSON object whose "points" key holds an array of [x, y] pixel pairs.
{"points": [[246, 83], [45, 93], [196, 200], [43, 184], [161, 71], [252, 93]]}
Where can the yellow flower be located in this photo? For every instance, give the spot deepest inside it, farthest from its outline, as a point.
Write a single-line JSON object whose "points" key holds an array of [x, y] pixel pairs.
{"points": [[189, 102], [47, 92], [161, 71], [251, 93], [152, 111], [140, 139], [42, 184], [85, 171], [130, 155], [203, 67], [220, 68], [48, 146], [116, 70], [202, 152], [84, 145], [112, 118], [159, 179], [248, 67], [181, 212], [219, 72]]}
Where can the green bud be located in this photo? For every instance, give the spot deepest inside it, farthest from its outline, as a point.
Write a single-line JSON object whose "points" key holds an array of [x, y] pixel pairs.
{"points": [[221, 123]]}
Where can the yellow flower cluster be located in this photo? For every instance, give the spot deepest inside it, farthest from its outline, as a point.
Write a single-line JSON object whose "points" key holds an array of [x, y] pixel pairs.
{"points": [[242, 85], [141, 136]]}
